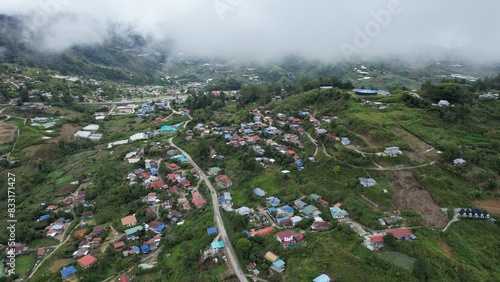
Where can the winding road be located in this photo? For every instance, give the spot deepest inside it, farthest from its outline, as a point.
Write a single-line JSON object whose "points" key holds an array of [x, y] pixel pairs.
{"points": [[217, 216]]}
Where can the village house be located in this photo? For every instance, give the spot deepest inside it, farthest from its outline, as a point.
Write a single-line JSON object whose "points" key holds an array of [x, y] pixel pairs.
{"points": [[270, 256], [285, 210], [367, 182], [129, 221], [392, 151], [377, 241], [320, 226], [119, 245], [338, 213], [345, 141], [156, 226], [68, 273], [259, 192], [278, 266], [443, 103], [322, 278], [261, 232], [173, 167], [223, 181], [474, 213], [310, 211], [285, 237], [131, 232], [459, 162], [40, 252], [300, 204], [401, 234], [87, 261]]}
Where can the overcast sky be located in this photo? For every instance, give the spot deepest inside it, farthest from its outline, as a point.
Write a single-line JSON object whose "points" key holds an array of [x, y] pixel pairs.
{"points": [[321, 29]]}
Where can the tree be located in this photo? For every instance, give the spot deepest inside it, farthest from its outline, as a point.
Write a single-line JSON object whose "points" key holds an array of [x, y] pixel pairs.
{"points": [[23, 94], [389, 240], [336, 169], [243, 247], [422, 269]]}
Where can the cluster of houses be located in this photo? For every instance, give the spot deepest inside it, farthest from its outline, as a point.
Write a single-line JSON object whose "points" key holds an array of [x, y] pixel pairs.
{"points": [[474, 212], [278, 265], [44, 122], [90, 243], [376, 241], [145, 110], [132, 234]]}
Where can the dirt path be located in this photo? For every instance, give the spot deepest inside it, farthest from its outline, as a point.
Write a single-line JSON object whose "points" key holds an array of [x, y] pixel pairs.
{"points": [[409, 194], [56, 247]]}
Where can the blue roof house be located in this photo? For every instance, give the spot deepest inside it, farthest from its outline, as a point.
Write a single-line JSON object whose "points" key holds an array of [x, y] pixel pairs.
{"points": [[278, 266], [44, 217], [259, 192], [154, 171], [217, 245], [68, 272], [212, 231], [299, 164], [345, 141], [273, 201], [135, 250], [145, 249], [322, 278]]}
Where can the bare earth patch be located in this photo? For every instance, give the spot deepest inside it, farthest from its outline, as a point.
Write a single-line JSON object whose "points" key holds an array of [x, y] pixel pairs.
{"points": [[491, 205], [79, 233], [67, 131], [409, 194], [7, 132], [446, 248], [58, 264], [38, 152]]}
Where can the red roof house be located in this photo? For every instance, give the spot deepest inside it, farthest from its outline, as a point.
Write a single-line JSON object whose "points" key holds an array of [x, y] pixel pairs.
{"points": [[119, 245], [401, 233], [173, 167], [323, 202], [223, 180], [87, 261], [41, 251], [285, 237], [262, 232], [158, 184], [198, 202]]}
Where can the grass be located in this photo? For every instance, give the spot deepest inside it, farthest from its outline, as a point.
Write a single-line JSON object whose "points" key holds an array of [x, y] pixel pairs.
{"points": [[24, 264], [43, 242], [64, 180], [398, 259]]}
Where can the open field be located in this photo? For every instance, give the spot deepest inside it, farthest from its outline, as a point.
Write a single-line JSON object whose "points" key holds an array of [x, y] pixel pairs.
{"points": [[24, 264], [491, 205], [58, 264], [399, 259], [67, 113]]}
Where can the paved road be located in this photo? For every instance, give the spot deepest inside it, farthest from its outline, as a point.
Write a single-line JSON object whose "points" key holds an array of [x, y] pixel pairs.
{"points": [[217, 217]]}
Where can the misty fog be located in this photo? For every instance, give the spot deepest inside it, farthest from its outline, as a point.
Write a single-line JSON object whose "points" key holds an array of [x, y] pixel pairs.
{"points": [[259, 29]]}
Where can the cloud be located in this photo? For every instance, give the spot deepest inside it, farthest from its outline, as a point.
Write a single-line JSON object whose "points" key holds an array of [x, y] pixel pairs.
{"points": [[260, 29]]}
